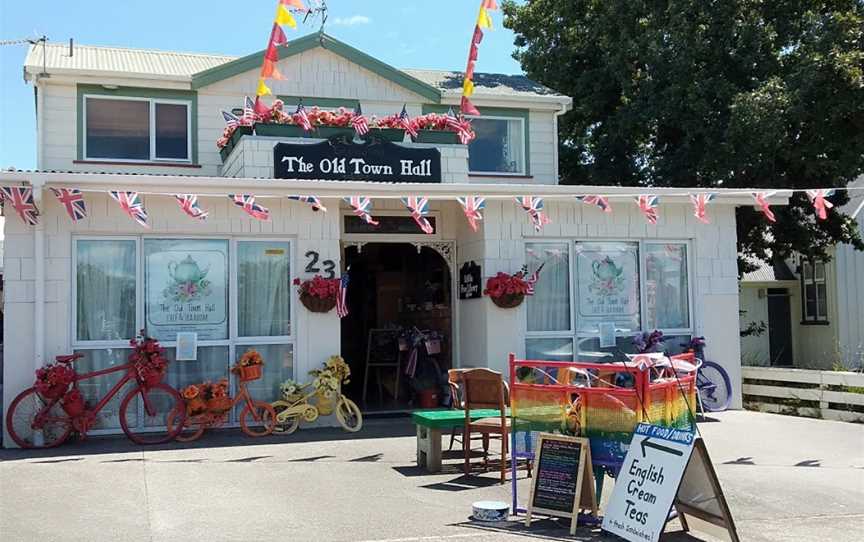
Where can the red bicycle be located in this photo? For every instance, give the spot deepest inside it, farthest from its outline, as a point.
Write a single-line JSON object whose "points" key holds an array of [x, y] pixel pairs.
{"points": [[37, 421]]}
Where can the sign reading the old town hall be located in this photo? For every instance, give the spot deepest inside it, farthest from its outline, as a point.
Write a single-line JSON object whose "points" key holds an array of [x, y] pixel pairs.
{"points": [[368, 161]]}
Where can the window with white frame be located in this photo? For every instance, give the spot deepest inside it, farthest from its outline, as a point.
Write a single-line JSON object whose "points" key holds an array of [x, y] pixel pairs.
{"points": [[593, 297], [139, 129], [499, 146], [814, 291], [235, 294]]}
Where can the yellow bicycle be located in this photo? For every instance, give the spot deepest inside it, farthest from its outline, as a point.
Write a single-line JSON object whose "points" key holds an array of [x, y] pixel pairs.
{"points": [[296, 405]]}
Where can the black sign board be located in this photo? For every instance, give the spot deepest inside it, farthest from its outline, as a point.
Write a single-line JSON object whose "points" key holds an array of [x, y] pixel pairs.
{"points": [[564, 480], [469, 281], [342, 160]]}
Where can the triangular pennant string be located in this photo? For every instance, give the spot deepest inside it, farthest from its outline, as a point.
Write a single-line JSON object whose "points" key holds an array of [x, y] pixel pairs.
{"points": [[314, 201], [189, 205], [473, 207], [533, 278], [362, 207], [73, 201], [648, 206], [700, 201], [599, 201], [21, 199], [820, 204], [419, 208], [763, 205], [250, 207], [534, 207], [131, 204], [484, 20]]}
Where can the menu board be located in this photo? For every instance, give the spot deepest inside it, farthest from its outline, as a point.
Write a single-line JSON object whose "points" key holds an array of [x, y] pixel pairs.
{"points": [[563, 478]]}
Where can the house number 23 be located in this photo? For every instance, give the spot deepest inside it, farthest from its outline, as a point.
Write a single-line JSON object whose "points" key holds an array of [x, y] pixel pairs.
{"points": [[312, 266]]}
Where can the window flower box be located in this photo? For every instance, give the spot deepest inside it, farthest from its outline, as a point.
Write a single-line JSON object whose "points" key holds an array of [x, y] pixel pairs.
{"points": [[396, 135], [441, 137], [239, 132], [279, 130], [327, 132]]}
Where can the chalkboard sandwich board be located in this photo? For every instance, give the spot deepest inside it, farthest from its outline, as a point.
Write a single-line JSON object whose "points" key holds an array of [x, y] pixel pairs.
{"points": [[563, 478]]}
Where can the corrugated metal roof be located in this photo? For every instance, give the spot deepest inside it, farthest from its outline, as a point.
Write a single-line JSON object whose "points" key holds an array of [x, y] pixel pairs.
{"points": [[769, 272], [484, 83]]}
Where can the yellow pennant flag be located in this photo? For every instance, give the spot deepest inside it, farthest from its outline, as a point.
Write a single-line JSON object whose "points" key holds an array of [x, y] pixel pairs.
{"points": [[483, 19], [284, 17], [468, 88], [263, 90]]}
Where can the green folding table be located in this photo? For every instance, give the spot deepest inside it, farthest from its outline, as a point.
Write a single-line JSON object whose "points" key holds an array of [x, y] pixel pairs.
{"points": [[429, 425]]}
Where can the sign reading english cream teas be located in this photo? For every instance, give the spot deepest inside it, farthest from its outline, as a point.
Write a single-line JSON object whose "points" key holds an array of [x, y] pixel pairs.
{"points": [[381, 161]]}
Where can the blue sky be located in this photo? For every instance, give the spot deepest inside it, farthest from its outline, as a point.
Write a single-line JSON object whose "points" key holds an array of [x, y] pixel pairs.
{"points": [[404, 33]]}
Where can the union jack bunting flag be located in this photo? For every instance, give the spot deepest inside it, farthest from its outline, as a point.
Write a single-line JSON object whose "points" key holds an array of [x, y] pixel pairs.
{"points": [[762, 202], [533, 278], [249, 117], [362, 207], [359, 122], [132, 205], [406, 123], [699, 203], [648, 206], [231, 120], [419, 208], [817, 198], [461, 127], [247, 203], [342, 297], [21, 198], [73, 201], [600, 201], [534, 207], [303, 118], [473, 207], [314, 201], [189, 205]]}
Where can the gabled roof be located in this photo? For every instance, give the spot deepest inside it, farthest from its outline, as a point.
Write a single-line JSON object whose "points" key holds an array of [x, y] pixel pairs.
{"points": [[769, 272], [856, 199]]}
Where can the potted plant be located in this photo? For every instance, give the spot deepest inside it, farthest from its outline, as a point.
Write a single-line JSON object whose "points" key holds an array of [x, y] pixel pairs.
{"points": [[329, 124], [318, 294], [278, 123], [507, 291], [442, 129], [194, 400], [387, 128], [73, 403], [53, 380], [250, 366], [149, 359]]}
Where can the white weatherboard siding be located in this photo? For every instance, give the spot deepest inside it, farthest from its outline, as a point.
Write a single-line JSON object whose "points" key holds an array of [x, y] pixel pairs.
{"points": [[850, 301]]}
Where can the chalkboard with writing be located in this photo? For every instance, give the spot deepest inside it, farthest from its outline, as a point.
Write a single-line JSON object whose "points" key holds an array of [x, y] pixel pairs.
{"points": [[563, 480]]}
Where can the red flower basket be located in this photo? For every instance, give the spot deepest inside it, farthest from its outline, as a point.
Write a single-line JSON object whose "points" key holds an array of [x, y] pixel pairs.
{"points": [[508, 301], [317, 304], [51, 393], [507, 291], [73, 403], [152, 378], [250, 372], [318, 294], [219, 405]]}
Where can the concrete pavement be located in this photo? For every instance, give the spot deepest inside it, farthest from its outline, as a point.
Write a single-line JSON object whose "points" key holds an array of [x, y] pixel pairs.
{"points": [[785, 479]]}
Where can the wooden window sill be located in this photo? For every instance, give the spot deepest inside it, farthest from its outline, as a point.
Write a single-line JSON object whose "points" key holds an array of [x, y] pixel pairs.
{"points": [[143, 164]]}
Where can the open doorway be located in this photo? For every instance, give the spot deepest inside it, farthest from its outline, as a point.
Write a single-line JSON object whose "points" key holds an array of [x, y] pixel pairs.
{"points": [[397, 336]]}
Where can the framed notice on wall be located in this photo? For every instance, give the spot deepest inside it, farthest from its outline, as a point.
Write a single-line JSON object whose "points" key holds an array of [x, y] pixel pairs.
{"points": [[186, 288]]}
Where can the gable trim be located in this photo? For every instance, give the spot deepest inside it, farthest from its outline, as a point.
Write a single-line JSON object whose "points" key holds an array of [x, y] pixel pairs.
{"points": [[310, 41]]}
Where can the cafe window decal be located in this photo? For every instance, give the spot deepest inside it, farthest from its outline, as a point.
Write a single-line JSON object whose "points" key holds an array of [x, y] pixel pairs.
{"points": [[608, 283], [186, 288]]}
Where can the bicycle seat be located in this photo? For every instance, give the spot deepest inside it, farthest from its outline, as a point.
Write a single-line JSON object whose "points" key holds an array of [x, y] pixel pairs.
{"points": [[68, 358]]}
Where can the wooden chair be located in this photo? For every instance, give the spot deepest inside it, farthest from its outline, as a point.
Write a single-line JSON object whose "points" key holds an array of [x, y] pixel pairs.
{"points": [[454, 380], [484, 388]]}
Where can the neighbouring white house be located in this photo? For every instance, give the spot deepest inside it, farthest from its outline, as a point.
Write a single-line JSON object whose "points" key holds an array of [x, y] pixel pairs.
{"points": [[146, 121], [813, 312]]}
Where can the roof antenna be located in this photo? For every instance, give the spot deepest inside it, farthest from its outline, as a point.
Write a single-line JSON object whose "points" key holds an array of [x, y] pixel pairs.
{"points": [[44, 41], [71, 47]]}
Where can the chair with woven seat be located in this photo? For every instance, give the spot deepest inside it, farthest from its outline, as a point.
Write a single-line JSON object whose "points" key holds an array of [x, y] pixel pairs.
{"points": [[484, 388]]}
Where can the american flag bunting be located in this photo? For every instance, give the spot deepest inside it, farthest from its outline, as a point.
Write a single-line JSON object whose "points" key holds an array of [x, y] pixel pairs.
{"points": [[132, 205], [765, 207], [533, 278], [473, 207], [534, 207], [458, 126], [247, 203], [314, 201], [73, 201], [820, 204], [342, 297], [21, 198], [189, 205], [700, 201], [419, 208], [249, 117], [362, 207], [648, 206], [406, 123], [231, 120], [302, 118], [358, 122], [599, 201]]}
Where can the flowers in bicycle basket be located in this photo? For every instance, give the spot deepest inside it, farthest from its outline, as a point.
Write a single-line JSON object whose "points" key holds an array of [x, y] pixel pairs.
{"points": [[291, 390], [328, 379], [213, 394], [250, 358], [193, 397], [149, 359], [53, 380]]}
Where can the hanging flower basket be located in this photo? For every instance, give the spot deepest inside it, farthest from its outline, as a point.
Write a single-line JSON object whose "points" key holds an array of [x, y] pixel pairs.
{"points": [[508, 301], [318, 294], [507, 291], [317, 304]]}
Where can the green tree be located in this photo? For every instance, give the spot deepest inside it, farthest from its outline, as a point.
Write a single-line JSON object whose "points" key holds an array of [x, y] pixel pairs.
{"points": [[720, 93]]}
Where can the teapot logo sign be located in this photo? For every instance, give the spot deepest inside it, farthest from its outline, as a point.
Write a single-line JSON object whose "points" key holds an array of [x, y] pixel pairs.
{"points": [[608, 277], [187, 281]]}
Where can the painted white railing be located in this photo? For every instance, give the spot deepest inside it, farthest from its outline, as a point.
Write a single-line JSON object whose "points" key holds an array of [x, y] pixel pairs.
{"points": [[804, 392]]}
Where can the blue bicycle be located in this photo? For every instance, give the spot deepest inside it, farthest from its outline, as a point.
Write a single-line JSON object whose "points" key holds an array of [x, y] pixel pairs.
{"points": [[712, 381]]}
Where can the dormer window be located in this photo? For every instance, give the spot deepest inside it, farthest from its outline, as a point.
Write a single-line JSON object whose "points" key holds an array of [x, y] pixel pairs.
{"points": [[499, 147], [137, 129]]}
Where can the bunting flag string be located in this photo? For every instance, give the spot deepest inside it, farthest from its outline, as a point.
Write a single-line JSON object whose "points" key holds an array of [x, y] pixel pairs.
{"points": [[648, 206], [473, 208], [406, 123], [461, 126], [533, 278], [302, 118], [250, 207], [358, 122], [21, 198], [132, 205], [231, 120], [484, 20], [419, 208], [189, 205], [600, 201], [762, 202], [820, 204], [249, 116], [73, 201], [362, 207], [314, 201], [699, 202], [534, 207], [277, 39]]}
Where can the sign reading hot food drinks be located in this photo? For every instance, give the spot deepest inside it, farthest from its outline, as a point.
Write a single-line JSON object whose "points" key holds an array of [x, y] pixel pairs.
{"points": [[368, 161]]}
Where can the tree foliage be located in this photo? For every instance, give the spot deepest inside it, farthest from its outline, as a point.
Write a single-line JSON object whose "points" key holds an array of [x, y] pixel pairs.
{"points": [[709, 93]]}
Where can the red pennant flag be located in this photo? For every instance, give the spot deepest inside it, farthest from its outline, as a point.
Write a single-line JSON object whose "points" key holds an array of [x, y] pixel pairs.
{"points": [[468, 108], [269, 71], [489, 4], [294, 3], [472, 53], [260, 108], [469, 71], [271, 53], [478, 36], [277, 36]]}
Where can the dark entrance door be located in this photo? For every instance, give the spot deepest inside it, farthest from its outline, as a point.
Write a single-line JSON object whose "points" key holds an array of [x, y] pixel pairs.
{"points": [[779, 327]]}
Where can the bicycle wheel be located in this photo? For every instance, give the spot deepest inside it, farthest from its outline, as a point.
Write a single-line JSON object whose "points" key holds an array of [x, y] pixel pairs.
{"points": [[190, 429], [284, 424], [349, 415], [259, 420], [715, 388], [144, 414], [27, 415]]}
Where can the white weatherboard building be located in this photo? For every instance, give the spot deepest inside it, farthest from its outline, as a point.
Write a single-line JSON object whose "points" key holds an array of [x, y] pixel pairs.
{"points": [[147, 121]]}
